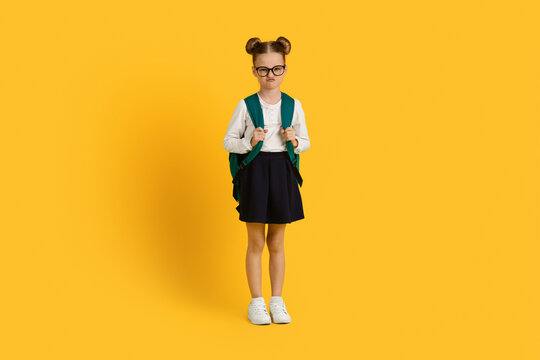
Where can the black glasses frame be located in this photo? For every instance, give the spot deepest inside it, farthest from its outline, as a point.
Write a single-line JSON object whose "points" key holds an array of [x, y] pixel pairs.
{"points": [[272, 69]]}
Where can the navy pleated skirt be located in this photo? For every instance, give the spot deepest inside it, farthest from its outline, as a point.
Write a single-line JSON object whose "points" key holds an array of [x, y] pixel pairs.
{"points": [[269, 192]]}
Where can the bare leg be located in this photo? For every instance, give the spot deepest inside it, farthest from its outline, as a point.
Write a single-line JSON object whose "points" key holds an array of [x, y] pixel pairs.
{"points": [[275, 240], [253, 257]]}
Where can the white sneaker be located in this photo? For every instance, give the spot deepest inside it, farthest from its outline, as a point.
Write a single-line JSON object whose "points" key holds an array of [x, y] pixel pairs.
{"points": [[257, 311], [278, 310]]}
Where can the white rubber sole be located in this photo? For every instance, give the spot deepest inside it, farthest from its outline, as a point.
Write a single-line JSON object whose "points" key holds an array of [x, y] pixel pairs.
{"points": [[282, 322], [260, 323]]}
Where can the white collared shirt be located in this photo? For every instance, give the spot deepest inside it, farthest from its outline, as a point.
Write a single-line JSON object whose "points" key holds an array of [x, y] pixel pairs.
{"points": [[240, 130]]}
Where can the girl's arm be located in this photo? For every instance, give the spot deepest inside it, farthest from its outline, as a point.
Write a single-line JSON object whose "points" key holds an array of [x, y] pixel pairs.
{"points": [[300, 128], [234, 141]]}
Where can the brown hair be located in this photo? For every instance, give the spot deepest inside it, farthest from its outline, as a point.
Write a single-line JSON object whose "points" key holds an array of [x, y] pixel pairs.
{"points": [[255, 47]]}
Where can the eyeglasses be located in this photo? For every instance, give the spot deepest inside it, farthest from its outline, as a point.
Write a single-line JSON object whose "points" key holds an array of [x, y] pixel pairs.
{"points": [[276, 70]]}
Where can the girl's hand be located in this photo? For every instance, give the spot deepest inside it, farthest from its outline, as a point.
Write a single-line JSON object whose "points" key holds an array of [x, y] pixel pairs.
{"points": [[258, 135], [289, 135]]}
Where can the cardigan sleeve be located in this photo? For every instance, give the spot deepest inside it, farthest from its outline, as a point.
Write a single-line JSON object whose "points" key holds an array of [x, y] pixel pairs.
{"points": [[300, 128], [234, 140]]}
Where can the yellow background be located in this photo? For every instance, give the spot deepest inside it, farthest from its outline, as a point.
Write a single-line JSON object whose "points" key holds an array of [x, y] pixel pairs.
{"points": [[119, 234]]}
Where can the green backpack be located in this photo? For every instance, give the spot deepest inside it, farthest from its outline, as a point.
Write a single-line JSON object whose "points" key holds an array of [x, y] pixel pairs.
{"points": [[239, 162]]}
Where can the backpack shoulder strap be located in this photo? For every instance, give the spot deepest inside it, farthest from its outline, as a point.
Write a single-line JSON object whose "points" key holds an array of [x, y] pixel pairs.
{"points": [[255, 112], [287, 112]]}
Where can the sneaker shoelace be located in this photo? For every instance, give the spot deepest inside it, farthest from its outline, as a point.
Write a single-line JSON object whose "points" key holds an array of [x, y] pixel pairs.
{"points": [[259, 306], [280, 306]]}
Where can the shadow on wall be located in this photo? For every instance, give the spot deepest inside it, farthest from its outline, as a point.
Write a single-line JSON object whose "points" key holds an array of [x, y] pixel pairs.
{"points": [[160, 184]]}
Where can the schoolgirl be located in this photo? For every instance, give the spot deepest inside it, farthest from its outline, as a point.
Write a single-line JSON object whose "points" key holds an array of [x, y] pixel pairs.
{"points": [[268, 188]]}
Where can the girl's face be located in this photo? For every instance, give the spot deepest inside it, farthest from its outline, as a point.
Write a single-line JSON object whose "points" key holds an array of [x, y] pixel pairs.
{"points": [[269, 60]]}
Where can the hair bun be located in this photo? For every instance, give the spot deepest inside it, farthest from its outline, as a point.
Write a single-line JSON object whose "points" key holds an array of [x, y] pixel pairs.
{"points": [[252, 44], [285, 43]]}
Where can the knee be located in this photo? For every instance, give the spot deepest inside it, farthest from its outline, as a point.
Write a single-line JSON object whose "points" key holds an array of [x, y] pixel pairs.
{"points": [[275, 247], [256, 247]]}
